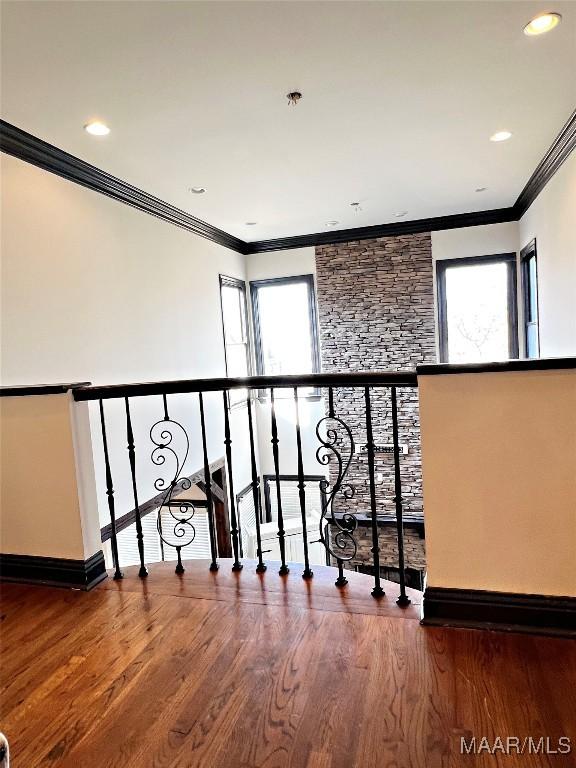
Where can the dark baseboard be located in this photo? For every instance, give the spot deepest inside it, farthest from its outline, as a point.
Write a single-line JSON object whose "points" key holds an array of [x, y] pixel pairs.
{"points": [[53, 571], [504, 611]]}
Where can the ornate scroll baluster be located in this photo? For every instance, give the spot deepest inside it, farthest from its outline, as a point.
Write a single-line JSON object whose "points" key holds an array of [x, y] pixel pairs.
{"points": [[341, 543], [163, 435], [143, 572]]}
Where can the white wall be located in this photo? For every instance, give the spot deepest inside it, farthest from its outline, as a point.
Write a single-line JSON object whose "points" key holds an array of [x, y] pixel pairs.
{"points": [[485, 240], [551, 219], [95, 290], [294, 261]]}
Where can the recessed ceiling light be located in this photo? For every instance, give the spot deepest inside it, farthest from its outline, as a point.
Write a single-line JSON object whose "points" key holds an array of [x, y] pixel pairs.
{"points": [[542, 23], [400, 214], [251, 223], [480, 189], [332, 223], [501, 136], [197, 190], [97, 128]]}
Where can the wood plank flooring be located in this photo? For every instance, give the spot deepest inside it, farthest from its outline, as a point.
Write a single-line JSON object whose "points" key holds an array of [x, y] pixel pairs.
{"points": [[241, 671]]}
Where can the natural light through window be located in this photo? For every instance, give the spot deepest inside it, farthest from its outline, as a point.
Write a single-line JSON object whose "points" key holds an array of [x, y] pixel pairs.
{"points": [[286, 334], [285, 329], [236, 339], [477, 313]]}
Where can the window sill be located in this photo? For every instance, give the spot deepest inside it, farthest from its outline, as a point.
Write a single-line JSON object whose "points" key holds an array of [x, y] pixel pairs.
{"points": [[308, 398]]}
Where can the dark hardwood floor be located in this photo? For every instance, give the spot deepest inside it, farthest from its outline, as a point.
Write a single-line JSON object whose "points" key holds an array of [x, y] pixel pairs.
{"points": [[238, 671]]}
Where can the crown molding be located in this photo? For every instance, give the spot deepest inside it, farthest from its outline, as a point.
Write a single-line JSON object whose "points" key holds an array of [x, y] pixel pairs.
{"points": [[413, 227], [558, 152], [14, 141]]}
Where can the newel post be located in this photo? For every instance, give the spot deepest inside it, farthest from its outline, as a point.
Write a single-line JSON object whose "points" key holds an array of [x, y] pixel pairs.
{"points": [[50, 524]]}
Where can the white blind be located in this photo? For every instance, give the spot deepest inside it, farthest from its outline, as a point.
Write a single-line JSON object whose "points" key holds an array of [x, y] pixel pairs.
{"points": [[247, 515], [291, 499], [128, 544], [197, 549]]}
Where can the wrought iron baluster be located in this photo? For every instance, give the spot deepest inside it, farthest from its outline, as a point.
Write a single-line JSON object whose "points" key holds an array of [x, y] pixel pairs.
{"points": [[403, 599], [341, 581], [143, 572], [261, 567], [281, 532], [179, 566], [377, 591], [165, 403], [208, 486], [233, 520], [164, 435], [336, 532], [330, 402], [110, 494], [159, 528], [323, 539], [307, 574]]}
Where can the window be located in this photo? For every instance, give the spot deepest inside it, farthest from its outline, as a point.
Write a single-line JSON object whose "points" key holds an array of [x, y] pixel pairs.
{"points": [[477, 315], [236, 337], [285, 326], [290, 498], [530, 300]]}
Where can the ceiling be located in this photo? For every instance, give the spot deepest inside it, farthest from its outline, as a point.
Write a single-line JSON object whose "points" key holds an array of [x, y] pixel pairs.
{"points": [[399, 102]]}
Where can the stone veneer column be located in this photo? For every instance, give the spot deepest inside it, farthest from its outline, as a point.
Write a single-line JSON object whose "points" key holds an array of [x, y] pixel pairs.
{"points": [[376, 312]]}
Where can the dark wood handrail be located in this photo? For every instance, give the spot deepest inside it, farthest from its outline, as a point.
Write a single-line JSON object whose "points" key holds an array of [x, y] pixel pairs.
{"points": [[500, 366], [85, 391], [318, 380], [25, 390]]}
